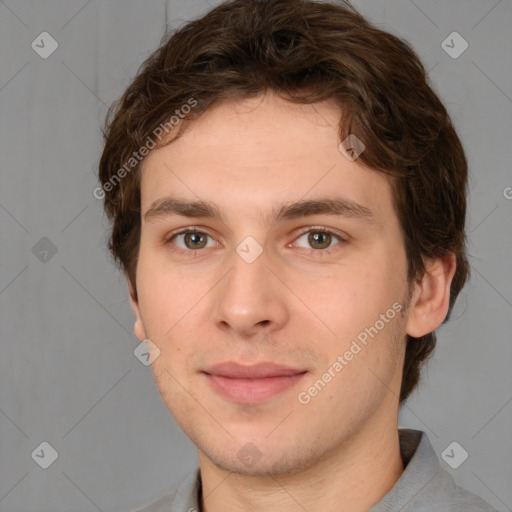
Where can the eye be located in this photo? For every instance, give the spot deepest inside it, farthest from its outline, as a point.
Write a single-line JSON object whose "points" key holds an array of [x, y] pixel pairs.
{"points": [[319, 239], [189, 239]]}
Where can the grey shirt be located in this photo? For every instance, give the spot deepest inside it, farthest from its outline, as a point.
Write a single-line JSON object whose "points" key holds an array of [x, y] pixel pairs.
{"points": [[424, 486]]}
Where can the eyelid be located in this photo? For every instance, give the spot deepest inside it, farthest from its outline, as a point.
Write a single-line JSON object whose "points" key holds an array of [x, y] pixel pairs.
{"points": [[189, 229], [321, 229], [183, 231]]}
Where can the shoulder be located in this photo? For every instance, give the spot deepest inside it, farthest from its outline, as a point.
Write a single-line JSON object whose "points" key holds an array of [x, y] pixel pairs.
{"points": [[160, 505], [466, 501], [183, 499], [440, 494], [444, 495], [425, 485]]}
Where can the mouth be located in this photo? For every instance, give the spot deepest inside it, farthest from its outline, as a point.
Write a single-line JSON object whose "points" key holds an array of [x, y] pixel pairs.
{"points": [[252, 384]]}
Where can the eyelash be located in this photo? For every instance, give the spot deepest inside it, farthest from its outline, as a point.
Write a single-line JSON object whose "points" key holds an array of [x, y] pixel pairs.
{"points": [[312, 229]]}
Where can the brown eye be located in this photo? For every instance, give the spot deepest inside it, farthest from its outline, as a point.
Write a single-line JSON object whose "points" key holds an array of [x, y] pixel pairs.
{"points": [[195, 240], [319, 239], [189, 240]]}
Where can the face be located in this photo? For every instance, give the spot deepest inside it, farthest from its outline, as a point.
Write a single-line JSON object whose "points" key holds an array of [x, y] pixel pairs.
{"points": [[300, 294]]}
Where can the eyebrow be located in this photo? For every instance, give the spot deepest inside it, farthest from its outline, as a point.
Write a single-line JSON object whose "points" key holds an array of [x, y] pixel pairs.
{"points": [[336, 206]]}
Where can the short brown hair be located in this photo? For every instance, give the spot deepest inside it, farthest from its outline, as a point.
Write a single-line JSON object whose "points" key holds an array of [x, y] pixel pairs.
{"points": [[305, 51]]}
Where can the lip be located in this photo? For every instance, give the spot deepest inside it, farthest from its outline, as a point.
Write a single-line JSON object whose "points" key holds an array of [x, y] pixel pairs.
{"points": [[261, 370], [252, 384]]}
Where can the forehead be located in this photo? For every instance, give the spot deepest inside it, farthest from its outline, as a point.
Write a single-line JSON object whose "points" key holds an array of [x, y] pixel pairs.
{"points": [[253, 155]]}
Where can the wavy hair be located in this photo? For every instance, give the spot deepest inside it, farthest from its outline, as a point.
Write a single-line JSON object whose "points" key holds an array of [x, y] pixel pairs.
{"points": [[305, 51]]}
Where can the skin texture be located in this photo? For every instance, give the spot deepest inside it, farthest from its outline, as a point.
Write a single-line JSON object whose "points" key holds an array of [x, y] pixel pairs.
{"points": [[295, 304]]}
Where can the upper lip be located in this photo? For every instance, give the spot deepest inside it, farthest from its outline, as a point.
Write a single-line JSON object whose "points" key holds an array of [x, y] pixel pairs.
{"points": [[256, 371]]}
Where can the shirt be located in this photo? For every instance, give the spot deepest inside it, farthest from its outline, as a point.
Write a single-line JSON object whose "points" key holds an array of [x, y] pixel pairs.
{"points": [[424, 486]]}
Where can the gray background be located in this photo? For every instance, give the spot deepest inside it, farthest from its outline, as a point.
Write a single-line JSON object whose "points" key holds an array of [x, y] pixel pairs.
{"points": [[68, 375]]}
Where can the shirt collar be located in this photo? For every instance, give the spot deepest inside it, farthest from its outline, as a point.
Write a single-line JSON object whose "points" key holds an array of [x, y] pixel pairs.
{"points": [[421, 469]]}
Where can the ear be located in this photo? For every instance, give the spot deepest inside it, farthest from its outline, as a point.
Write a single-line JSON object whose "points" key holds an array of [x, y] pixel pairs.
{"points": [[431, 297], [138, 328]]}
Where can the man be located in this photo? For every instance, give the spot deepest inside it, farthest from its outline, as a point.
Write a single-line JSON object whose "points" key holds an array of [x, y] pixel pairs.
{"points": [[288, 200]]}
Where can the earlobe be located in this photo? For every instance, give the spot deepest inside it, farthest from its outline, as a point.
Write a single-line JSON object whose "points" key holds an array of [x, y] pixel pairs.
{"points": [[138, 327], [431, 297]]}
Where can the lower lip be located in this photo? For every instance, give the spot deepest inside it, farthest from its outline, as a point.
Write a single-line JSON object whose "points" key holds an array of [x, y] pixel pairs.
{"points": [[252, 391]]}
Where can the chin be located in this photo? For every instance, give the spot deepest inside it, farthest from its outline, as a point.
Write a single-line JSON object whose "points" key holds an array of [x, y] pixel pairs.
{"points": [[262, 457]]}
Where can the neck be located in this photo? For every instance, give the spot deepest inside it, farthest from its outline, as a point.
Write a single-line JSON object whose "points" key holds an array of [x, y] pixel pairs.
{"points": [[353, 477]]}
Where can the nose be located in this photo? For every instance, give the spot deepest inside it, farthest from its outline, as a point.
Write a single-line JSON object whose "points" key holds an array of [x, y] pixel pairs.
{"points": [[250, 300]]}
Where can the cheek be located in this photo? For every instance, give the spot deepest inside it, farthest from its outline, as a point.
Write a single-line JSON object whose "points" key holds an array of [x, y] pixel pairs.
{"points": [[347, 298], [173, 310], [167, 298], [359, 305]]}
